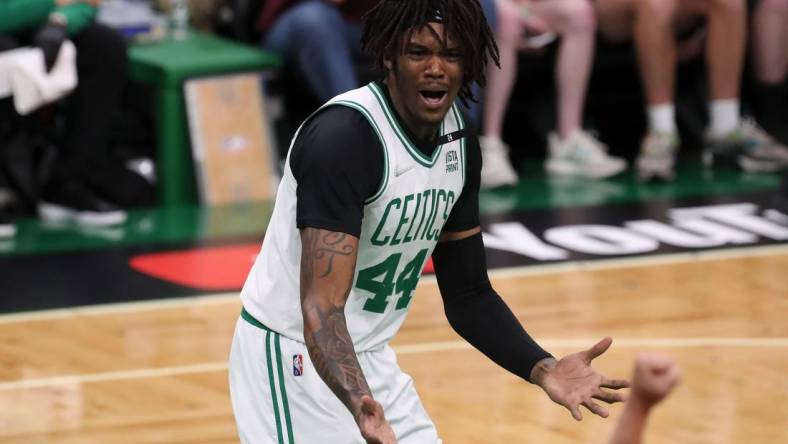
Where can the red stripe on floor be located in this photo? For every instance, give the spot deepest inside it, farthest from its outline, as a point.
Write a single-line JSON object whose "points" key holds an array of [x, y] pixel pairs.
{"points": [[214, 268], [428, 267], [210, 269]]}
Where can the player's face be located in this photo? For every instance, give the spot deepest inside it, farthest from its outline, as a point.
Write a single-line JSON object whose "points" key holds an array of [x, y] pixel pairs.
{"points": [[425, 79]]}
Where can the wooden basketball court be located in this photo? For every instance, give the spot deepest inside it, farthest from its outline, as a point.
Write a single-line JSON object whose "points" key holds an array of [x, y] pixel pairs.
{"points": [[157, 372]]}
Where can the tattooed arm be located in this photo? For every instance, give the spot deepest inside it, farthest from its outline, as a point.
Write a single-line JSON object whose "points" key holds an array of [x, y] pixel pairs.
{"points": [[328, 261]]}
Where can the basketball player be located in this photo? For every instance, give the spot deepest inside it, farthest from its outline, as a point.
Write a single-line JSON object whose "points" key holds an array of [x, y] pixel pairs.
{"points": [[373, 181]]}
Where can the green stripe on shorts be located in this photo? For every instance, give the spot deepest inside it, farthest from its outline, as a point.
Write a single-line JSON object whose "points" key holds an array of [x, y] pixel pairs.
{"points": [[284, 392], [273, 386], [272, 336]]}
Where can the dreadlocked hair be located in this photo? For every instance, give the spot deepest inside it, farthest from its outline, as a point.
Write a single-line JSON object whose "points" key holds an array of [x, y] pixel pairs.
{"points": [[391, 20]]}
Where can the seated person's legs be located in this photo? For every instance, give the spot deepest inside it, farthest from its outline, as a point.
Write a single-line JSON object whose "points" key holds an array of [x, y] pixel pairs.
{"points": [[474, 109], [7, 227], [101, 64], [769, 35], [726, 23], [572, 150], [573, 20], [496, 169], [311, 36], [650, 24], [770, 64], [730, 139], [83, 181]]}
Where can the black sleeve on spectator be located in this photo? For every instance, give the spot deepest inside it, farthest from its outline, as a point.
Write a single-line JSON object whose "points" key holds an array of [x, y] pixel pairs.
{"points": [[477, 313], [337, 161], [465, 214]]}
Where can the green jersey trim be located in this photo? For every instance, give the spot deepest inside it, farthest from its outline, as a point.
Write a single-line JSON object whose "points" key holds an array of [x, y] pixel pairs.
{"points": [[384, 183], [409, 146]]}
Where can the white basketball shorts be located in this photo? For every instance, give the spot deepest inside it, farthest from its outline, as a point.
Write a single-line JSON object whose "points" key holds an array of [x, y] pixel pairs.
{"points": [[278, 397]]}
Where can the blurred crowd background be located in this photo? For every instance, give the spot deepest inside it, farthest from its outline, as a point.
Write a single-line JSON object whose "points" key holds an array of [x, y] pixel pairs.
{"points": [[590, 88]]}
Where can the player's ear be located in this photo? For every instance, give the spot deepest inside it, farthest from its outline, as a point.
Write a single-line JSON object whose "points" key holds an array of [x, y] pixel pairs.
{"points": [[388, 62]]}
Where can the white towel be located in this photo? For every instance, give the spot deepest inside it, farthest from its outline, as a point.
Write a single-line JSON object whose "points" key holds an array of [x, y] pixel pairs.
{"points": [[6, 62], [23, 74]]}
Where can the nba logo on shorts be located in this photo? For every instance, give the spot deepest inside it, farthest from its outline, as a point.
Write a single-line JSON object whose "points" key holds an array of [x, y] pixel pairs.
{"points": [[298, 365]]}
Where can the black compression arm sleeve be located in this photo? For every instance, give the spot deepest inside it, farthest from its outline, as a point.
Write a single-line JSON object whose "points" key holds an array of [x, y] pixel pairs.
{"points": [[477, 313]]}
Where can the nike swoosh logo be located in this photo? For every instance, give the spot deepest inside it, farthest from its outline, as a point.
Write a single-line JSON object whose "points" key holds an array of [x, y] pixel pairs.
{"points": [[399, 171]]}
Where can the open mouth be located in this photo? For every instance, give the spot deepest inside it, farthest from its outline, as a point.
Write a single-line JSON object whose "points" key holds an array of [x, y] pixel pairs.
{"points": [[433, 97]]}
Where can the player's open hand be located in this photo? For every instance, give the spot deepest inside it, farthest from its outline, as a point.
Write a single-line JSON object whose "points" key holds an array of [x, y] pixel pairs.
{"points": [[372, 423], [572, 382], [654, 377]]}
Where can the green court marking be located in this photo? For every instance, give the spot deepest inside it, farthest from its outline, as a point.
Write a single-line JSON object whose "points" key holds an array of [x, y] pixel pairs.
{"points": [[174, 225], [194, 225], [538, 191]]}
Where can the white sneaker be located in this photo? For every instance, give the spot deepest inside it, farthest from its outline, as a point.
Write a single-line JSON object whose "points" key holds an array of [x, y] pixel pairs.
{"points": [[496, 168], [657, 157], [581, 155], [7, 228]]}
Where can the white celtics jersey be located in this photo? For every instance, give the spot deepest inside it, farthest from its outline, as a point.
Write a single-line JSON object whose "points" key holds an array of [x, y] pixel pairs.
{"points": [[401, 225]]}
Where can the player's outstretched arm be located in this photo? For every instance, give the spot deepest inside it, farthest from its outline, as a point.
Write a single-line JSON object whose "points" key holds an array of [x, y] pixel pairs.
{"points": [[328, 261], [653, 379], [481, 317], [474, 309], [572, 382]]}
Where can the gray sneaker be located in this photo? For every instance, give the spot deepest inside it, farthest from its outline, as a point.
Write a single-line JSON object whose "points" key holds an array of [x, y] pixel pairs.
{"points": [[657, 156], [7, 228], [748, 147], [496, 168], [581, 155]]}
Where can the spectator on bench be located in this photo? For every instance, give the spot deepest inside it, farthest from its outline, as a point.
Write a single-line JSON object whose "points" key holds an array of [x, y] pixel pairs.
{"points": [[653, 25], [572, 151], [320, 40], [81, 183], [769, 32]]}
